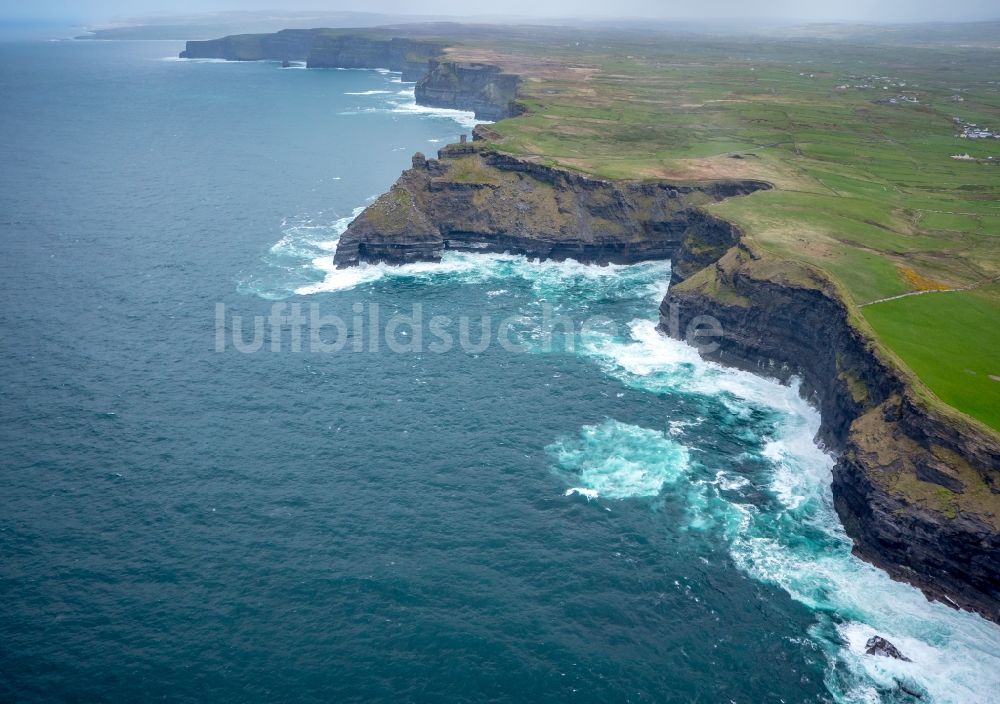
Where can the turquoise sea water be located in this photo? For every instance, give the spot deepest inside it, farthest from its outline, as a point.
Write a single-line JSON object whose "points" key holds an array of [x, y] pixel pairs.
{"points": [[608, 520]]}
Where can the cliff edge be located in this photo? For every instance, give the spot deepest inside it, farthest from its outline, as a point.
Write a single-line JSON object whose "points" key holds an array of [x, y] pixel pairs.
{"points": [[917, 491]]}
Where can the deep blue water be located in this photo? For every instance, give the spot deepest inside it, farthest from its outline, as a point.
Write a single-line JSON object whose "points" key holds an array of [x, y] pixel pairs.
{"points": [[615, 522]]}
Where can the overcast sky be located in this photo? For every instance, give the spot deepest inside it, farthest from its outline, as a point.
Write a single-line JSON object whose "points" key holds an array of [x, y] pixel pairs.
{"points": [[855, 10]]}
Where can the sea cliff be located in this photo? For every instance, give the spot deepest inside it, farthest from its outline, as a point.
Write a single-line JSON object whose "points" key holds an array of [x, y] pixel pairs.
{"points": [[918, 491], [481, 88]]}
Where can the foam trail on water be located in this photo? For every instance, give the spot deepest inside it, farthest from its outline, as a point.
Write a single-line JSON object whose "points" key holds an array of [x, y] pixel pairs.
{"points": [[465, 118], [404, 101], [618, 461], [181, 59]]}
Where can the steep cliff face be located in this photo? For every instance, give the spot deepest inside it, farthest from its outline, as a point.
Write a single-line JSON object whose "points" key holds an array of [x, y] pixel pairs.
{"points": [[483, 88], [918, 493], [286, 45], [480, 200], [409, 56], [322, 49]]}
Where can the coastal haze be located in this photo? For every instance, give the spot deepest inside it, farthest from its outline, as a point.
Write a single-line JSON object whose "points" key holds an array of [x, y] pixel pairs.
{"points": [[579, 353], [898, 11]]}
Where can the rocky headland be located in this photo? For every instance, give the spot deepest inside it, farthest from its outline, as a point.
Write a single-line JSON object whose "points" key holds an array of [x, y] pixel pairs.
{"points": [[475, 199]]}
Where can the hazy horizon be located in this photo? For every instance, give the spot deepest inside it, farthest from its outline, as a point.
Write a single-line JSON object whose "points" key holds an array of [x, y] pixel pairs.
{"points": [[765, 10]]}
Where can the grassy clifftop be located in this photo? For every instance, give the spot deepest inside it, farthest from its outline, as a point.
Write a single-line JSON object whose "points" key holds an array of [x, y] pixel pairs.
{"points": [[860, 142]]}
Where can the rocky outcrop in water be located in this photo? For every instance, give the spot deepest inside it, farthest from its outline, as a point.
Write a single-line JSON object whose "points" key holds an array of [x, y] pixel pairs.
{"points": [[918, 492], [473, 199], [877, 645]]}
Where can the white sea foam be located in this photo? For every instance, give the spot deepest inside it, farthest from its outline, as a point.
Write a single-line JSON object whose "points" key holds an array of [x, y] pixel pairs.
{"points": [[304, 240], [403, 102], [618, 461], [465, 118], [371, 92], [198, 61]]}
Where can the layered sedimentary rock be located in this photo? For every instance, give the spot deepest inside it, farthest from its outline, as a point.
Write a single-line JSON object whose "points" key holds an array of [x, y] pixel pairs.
{"points": [[473, 199], [286, 45], [917, 491], [482, 88], [409, 56]]}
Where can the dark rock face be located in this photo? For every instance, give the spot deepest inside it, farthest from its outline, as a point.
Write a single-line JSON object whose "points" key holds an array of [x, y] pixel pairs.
{"points": [[286, 45], [482, 88], [409, 56], [484, 201], [321, 49], [877, 645], [918, 493]]}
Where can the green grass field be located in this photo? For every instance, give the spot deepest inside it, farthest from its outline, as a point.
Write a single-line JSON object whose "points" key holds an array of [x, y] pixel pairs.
{"points": [[867, 191], [952, 341]]}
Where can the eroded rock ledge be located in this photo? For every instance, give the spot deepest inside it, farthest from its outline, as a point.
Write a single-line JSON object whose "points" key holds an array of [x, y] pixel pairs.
{"points": [[475, 199], [918, 492]]}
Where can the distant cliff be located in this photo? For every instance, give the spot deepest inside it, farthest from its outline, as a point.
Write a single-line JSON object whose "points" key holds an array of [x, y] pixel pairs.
{"points": [[481, 88], [286, 45], [409, 56]]}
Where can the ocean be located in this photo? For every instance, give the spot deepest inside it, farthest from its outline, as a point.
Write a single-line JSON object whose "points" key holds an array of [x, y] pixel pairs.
{"points": [[487, 479]]}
